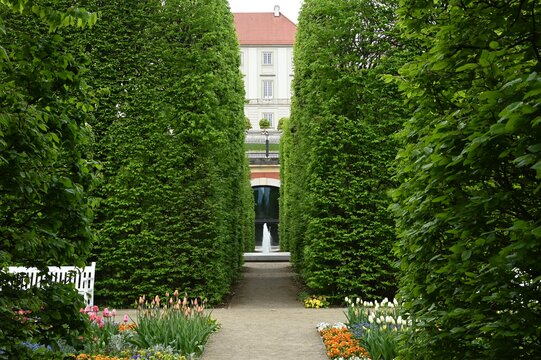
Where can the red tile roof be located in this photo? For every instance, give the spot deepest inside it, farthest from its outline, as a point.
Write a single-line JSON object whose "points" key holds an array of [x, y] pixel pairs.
{"points": [[264, 29]]}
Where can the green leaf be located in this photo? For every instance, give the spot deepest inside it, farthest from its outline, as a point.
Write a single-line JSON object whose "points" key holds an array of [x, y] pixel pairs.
{"points": [[533, 93], [535, 148], [494, 45], [484, 59], [3, 54], [526, 160], [537, 168], [467, 67], [504, 114]]}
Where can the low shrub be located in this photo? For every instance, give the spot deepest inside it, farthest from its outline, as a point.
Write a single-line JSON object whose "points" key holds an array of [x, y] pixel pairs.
{"points": [[264, 124]]}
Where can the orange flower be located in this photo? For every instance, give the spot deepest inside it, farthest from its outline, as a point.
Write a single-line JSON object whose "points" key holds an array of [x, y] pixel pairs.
{"points": [[340, 343], [125, 327]]}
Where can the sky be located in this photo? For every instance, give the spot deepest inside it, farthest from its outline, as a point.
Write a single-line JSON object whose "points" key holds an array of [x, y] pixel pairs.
{"points": [[290, 8]]}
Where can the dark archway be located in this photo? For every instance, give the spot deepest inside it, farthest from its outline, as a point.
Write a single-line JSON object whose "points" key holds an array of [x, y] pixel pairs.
{"points": [[266, 204]]}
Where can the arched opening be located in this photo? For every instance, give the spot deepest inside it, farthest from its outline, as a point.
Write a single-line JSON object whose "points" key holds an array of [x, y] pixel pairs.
{"points": [[266, 206]]}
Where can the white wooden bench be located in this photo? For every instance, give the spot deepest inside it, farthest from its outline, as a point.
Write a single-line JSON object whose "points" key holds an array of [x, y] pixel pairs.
{"points": [[83, 279]]}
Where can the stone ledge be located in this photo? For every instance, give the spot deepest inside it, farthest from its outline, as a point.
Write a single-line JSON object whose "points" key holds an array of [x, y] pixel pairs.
{"points": [[270, 257]]}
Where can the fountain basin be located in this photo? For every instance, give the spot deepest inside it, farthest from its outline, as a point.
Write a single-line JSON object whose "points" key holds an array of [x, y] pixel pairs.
{"points": [[275, 256]]}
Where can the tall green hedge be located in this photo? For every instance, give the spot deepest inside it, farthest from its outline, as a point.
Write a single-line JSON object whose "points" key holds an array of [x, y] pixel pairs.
{"points": [[170, 130], [338, 146], [45, 172], [469, 204]]}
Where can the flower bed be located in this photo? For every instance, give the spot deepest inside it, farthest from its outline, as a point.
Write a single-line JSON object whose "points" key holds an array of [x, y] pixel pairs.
{"points": [[315, 302], [171, 328], [373, 327], [340, 343]]}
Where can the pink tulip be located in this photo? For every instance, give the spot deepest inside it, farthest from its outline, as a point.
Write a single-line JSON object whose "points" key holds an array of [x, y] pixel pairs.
{"points": [[92, 316], [106, 312], [113, 313], [95, 308], [126, 318]]}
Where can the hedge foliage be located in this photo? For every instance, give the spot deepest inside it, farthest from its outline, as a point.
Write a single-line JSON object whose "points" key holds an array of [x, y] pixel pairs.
{"points": [[170, 131], [337, 148], [46, 173], [469, 204]]}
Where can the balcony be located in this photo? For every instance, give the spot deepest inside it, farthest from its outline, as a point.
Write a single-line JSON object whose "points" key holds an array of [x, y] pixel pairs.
{"points": [[268, 102], [260, 158]]}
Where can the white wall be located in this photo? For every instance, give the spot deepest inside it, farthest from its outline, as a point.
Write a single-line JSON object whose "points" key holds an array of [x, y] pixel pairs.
{"points": [[280, 72]]}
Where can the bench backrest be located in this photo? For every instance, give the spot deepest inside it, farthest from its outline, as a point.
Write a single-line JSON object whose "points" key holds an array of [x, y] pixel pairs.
{"points": [[83, 279]]}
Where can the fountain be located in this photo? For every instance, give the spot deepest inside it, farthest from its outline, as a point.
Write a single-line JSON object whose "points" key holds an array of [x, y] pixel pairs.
{"points": [[265, 251], [266, 244]]}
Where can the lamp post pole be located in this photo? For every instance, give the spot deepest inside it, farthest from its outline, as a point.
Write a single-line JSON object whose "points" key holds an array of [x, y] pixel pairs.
{"points": [[266, 133]]}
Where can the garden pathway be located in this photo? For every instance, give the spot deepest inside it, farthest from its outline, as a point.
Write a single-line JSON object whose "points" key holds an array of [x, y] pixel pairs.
{"points": [[266, 321]]}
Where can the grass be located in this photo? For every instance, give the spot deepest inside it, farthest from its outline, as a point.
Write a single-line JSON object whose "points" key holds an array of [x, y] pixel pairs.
{"points": [[261, 147]]}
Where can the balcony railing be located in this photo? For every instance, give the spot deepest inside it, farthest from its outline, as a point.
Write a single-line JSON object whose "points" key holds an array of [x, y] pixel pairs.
{"points": [[268, 101], [262, 155]]}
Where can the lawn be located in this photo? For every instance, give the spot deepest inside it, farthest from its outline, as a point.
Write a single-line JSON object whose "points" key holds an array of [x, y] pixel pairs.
{"points": [[261, 147]]}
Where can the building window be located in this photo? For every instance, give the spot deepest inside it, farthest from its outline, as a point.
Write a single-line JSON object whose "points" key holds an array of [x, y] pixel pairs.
{"points": [[268, 89], [270, 117], [267, 58]]}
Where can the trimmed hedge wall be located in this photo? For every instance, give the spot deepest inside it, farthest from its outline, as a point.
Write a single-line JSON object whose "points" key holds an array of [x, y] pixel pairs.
{"points": [[45, 173], [170, 132], [469, 204], [337, 148]]}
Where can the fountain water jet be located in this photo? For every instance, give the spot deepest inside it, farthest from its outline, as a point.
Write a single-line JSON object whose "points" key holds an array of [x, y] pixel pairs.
{"points": [[267, 238]]}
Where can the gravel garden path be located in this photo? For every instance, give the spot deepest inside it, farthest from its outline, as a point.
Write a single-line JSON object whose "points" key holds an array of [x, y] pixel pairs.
{"points": [[266, 321]]}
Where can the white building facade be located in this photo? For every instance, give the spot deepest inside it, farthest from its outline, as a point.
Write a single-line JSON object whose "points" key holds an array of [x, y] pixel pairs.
{"points": [[266, 44]]}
